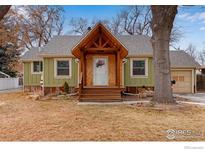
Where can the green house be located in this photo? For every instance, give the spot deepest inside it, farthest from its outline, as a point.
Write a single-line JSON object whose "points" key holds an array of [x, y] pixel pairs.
{"points": [[99, 64]]}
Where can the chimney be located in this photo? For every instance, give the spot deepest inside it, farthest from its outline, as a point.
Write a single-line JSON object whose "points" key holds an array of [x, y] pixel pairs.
{"points": [[89, 28], [39, 49]]}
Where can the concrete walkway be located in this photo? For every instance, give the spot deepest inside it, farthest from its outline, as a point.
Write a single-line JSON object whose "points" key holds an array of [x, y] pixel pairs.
{"points": [[197, 97]]}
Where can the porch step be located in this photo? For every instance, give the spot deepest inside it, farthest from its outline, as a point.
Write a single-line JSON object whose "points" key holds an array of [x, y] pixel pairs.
{"points": [[101, 95]]}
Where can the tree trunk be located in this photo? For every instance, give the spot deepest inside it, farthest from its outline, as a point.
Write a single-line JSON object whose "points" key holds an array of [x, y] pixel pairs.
{"points": [[3, 10], [162, 23]]}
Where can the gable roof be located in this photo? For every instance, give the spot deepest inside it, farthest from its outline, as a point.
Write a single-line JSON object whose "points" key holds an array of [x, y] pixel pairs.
{"points": [[180, 59], [32, 54], [137, 45], [99, 29], [62, 45]]}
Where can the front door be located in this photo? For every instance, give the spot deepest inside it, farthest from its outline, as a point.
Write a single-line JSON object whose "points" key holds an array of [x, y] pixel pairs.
{"points": [[100, 71]]}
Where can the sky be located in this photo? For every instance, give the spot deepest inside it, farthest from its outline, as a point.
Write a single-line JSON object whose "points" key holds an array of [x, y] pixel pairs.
{"points": [[190, 20]]}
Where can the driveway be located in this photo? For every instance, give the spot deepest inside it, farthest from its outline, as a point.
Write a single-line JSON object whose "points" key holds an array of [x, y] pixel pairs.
{"points": [[197, 97]]}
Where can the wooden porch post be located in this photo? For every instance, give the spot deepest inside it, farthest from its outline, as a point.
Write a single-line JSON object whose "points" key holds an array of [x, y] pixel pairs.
{"points": [[118, 69], [83, 67]]}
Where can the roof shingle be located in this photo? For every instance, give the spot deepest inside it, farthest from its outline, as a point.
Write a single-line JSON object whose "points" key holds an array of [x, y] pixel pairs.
{"points": [[137, 45]]}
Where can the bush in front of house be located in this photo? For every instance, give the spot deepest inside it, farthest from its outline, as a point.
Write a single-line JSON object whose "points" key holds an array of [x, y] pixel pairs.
{"points": [[66, 87]]}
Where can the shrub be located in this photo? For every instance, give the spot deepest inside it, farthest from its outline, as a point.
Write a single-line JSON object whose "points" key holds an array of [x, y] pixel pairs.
{"points": [[66, 88]]}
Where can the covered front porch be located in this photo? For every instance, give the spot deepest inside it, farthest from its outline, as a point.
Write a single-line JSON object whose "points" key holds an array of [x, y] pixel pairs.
{"points": [[100, 56]]}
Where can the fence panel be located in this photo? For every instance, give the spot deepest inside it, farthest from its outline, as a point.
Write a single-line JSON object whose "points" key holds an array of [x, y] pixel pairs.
{"points": [[9, 83]]}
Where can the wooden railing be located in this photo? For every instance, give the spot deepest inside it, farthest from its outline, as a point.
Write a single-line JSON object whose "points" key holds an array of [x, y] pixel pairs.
{"points": [[81, 83]]}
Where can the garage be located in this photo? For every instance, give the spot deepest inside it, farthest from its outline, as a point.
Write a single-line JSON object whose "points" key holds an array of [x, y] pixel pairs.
{"points": [[183, 80]]}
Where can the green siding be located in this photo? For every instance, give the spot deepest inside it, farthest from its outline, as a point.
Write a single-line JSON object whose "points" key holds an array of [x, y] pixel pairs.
{"points": [[49, 77], [51, 81], [138, 82], [30, 79]]}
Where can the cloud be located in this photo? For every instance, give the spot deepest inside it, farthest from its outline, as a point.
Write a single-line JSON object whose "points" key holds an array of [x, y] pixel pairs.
{"points": [[198, 16], [202, 28], [184, 15]]}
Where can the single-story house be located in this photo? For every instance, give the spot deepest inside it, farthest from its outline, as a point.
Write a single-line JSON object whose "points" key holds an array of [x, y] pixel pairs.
{"points": [[100, 65]]}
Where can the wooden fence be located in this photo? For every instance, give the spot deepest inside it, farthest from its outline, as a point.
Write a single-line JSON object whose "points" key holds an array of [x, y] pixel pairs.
{"points": [[9, 83]]}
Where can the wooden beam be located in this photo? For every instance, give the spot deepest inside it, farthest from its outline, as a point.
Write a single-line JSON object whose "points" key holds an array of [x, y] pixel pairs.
{"points": [[106, 49], [95, 44], [100, 40], [118, 69], [100, 51], [105, 44]]}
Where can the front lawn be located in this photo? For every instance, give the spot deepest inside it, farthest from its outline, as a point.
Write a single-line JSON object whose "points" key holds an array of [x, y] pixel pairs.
{"points": [[23, 119]]}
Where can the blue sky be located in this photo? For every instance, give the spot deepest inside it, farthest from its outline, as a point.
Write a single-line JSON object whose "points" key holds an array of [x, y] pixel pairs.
{"points": [[190, 19]]}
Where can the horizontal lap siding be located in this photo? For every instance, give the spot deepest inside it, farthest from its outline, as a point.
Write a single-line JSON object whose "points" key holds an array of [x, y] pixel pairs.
{"points": [[51, 81], [30, 79], [138, 82]]}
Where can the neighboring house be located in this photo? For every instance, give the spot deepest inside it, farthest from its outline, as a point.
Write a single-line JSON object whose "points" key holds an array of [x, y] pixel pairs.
{"points": [[100, 65]]}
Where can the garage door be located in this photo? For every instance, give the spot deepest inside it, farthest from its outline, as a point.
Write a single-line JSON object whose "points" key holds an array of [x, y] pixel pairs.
{"points": [[183, 80]]}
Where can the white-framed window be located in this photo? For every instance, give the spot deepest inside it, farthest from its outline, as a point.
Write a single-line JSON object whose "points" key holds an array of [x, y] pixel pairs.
{"points": [[37, 67], [139, 67], [62, 67]]}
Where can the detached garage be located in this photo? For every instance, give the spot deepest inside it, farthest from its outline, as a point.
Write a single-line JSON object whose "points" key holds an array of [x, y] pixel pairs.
{"points": [[184, 81], [183, 72]]}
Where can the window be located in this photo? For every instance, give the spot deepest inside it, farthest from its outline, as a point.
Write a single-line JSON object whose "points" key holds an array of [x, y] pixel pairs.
{"points": [[37, 67], [178, 78], [62, 68], [139, 67]]}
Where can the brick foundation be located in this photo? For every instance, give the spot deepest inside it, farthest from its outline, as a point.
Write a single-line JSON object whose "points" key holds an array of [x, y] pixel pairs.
{"points": [[136, 90], [48, 90], [34, 89], [57, 90]]}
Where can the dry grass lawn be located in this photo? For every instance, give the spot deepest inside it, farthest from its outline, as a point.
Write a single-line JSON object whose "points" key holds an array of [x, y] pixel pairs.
{"points": [[22, 119]]}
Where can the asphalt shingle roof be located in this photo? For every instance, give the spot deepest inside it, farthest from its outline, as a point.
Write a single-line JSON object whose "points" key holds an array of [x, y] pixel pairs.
{"points": [[180, 59], [32, 54], [136, 45], [61, 45]]}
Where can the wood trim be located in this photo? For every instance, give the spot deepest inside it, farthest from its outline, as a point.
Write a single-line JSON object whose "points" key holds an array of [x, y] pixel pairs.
{"points": [[146, 68], [118, 69], [101, 56], [100, 48], [32, 72], [78, 73], [105, 44], [56, 56], [193, 80], [55, 68]]}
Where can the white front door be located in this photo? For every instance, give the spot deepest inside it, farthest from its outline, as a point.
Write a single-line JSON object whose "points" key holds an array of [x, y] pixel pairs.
{"points": [[100, 71]]}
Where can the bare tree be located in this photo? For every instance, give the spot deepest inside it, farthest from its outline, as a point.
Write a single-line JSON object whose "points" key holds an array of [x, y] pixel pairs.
{"points": [[38, 24], [116, 25], [79, 25], [162, 24], [201, 57], [191, 50], [175, 36], [3, 10], [136, 20]]}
